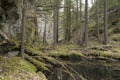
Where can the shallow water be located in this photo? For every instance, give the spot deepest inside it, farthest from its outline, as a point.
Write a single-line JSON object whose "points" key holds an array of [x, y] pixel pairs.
{"points": [[87, 70]]}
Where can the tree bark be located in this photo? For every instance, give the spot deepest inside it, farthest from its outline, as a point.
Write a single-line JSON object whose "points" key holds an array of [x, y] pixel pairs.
{"points": [[56, 14], [97, 21], [81, 27], [77, 14], [105, 22], [44, 34], [23, 30], [67, 11], [86, 23]]}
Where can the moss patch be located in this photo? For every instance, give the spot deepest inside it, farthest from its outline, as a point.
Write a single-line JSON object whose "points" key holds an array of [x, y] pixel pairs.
{"points": [[14, 63], [15, 68]]}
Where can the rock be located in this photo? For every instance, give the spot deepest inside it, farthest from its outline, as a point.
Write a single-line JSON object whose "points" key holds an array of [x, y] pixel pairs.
{"points": [[1, 69], [10, 17], [13, 53]]}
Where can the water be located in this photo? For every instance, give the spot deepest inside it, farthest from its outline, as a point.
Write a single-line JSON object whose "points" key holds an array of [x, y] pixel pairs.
{"points": [[87, 70]]}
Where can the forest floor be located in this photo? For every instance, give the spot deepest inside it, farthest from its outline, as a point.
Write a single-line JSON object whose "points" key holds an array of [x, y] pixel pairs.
{"points": [[14, 68]]}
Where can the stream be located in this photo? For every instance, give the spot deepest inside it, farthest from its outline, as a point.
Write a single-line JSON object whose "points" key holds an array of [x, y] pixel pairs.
{"points": [[87, 70]]}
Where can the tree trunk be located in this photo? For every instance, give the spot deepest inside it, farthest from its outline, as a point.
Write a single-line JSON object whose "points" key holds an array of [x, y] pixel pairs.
{"points": [[105, 22], [81, 27], [86, 23], [36, 28], [23, 30], [92, 2], [56, 18], [44, 34], [97, 21], [67, 12], [77, 14]]}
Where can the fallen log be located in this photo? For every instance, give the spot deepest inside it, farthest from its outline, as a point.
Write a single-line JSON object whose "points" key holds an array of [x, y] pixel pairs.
{"points": [[38, 64], [11, 45], [32, 51], [3, 35]]}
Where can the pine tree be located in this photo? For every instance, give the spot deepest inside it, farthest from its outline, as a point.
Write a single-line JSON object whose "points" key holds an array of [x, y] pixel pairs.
{"points": [[97, 21], [67, 12], [105, 21], [86, 23], [23, 29], [56, 19]]}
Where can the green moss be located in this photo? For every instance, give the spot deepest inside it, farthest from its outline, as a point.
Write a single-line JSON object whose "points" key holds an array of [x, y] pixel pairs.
{"points": [[37, 63], [117, 50], [30, 31], [16, 42], [35, 51], [64, 52], [108, 54], [115, 37], [14, 63], [66, 46], [15, 68]]}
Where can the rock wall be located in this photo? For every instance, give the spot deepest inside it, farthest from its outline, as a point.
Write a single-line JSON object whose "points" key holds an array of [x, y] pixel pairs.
{"points": [[10, 17]]}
